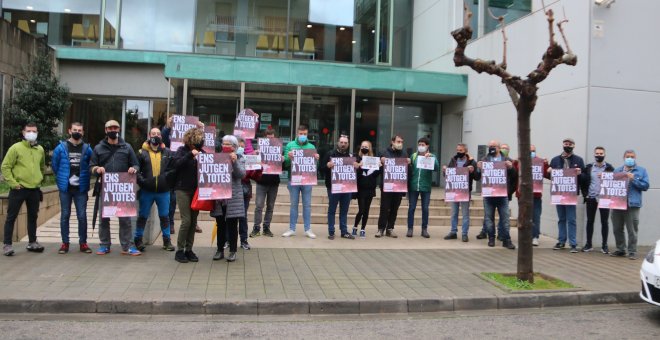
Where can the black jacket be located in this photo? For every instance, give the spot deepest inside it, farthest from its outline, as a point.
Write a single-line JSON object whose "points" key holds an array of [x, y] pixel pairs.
{"points": [[113, 157], [268, 179], [165, 179], [511, 176], [585, 177], [185, 166], [474, 175], [323, 165], [367, 182]]}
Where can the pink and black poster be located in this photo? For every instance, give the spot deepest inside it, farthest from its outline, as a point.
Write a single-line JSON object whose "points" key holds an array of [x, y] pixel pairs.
{"points": [[119, 195], [181, 124], [537, 174], [209, 139], [457, 184], [246, 124], [493, 179], [395, 175], [270, 150], [564, 186], [214, 176], [344, 177], [613, 191], [303, 167]]}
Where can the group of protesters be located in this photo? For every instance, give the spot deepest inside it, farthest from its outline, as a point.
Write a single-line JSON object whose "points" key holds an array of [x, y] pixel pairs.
{"points": [[169, 179]]}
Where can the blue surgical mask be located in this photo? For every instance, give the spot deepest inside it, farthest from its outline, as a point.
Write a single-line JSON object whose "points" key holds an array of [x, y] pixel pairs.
{"points": [[302, 139], [240, 150], [629, 162], [533, 154]]}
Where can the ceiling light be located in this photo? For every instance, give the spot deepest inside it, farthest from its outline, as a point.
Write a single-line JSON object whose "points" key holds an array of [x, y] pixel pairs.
{"points": [[89, 98], [29, 7], [416, 116], [67, 10], [342, 28], [309, 25], [365, 99], [373, 31], [32, 21], [353, 42]]}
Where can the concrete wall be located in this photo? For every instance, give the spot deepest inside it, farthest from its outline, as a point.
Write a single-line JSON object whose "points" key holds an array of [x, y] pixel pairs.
{"points": [[114, 79]]}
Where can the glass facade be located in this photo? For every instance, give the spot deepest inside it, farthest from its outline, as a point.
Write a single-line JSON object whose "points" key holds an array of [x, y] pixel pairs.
{"points": [[485, 13]]}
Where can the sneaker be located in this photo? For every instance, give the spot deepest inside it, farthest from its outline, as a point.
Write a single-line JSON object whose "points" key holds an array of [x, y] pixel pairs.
{"points": [[451, 236], [605, 250], [331, 237], [587, 248], [482, 235], [379, 234], [267, 233], [391, 233], [310, 234], [35, 247], [226, 245], [363, 234], [231, 257], [84, 248], [167, 244], [245, 245], [103, 250], [632, 256], [131, 251], [289, 233], [348, 236], [574, 249], [198, 229], [64, 248], [8, 250], [139, 244], [255, 233], [425, 233], [508, 244], [535, 242], [465, 238], [191, 256], [559, 246], [409, 233], [180, 257], [354, 232], [491, 241], [618, 253], [219, 255]]}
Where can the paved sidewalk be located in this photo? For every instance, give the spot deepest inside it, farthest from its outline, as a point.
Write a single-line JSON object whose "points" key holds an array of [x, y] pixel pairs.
{"points": [[300, 281]]}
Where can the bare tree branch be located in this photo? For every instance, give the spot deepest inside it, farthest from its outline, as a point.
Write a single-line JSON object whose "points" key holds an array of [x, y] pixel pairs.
{"points": [[500, 19]]}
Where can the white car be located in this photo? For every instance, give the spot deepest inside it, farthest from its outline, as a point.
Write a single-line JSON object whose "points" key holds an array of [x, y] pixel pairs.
{"points": [[650, 275]]}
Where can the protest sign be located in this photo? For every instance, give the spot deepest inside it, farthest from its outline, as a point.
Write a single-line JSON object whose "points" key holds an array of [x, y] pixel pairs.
{"points": [[270, 150], [395, 175], [457, 184], [344, 178], [214, 176], [370, 163], [209, 139], [303, 167], [563, 190], [493, 179], [119, 195], [246, 124], [613, 191], [424, 162], [252, 162], [180, 124], [537, 174]]}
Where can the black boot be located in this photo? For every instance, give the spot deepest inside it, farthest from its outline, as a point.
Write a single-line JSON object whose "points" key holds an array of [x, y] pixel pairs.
{"points": [[482, 235], [180, 256], [139, 244], [491, 241], [167, 244], [508, 244], [140, 224]]}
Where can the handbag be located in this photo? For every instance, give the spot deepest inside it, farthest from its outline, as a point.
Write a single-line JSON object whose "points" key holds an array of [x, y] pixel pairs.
{"points": [[201, 205]]}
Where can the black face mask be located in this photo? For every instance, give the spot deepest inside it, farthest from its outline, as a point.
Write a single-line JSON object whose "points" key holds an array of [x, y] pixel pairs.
{"points": [[460, 154], [112, 134], [600, 159], [364, 151], [154, 140], [198, 146], [76, 135], [492, 150], [568, 149]]}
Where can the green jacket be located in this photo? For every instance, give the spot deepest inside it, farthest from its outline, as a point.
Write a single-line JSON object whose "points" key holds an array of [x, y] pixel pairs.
{"points": [[420, 179], [25, 165], [293, 145]]}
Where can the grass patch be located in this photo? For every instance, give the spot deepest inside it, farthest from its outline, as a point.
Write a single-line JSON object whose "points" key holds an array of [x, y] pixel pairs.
{"points": [[541, 282], [48, 181]]}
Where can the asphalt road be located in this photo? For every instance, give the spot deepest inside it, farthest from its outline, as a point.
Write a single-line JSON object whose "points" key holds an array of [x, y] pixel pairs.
{"points": [[638, 321]]}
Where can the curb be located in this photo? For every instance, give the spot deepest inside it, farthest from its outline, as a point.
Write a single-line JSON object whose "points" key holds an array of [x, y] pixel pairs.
{"points": [[317, 307]]}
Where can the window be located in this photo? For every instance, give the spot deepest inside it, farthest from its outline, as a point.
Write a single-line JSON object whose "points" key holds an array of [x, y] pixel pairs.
{"points": [[157, 25], [483, 22]]}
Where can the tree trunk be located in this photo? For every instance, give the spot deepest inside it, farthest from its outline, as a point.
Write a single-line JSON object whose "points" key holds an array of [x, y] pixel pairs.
{"points": [[526, 201]]}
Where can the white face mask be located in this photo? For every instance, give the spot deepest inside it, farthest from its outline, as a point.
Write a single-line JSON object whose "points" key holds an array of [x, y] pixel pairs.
{"points": [[422, 149], [31, 137]]}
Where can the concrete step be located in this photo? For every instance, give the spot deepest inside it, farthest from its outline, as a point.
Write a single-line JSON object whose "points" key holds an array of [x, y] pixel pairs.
{"points": [[353, 208]]}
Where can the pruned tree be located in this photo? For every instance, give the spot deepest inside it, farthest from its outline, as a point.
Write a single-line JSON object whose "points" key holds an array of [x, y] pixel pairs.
{"points": [[523, 93]]}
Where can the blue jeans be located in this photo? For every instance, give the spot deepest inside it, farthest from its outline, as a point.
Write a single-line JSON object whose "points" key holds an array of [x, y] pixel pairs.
{"points": [[147, 199], [502, 206], [536, 219], [295, 191], [80, 200], [344, 200], [465, 207], [566, 215], [412, 204]]}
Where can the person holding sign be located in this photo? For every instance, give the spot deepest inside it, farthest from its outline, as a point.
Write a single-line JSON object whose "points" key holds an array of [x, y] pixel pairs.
{"points": [[461, 160], [267, 184], [228, 212], [590, 182], [291, 159], [566, 213], [539, 170], [638, 181], [332, 161], [495, 178], [113, 154], [247, 195], [423, 164], [154, 177], [390, 201], [367, 181]]}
